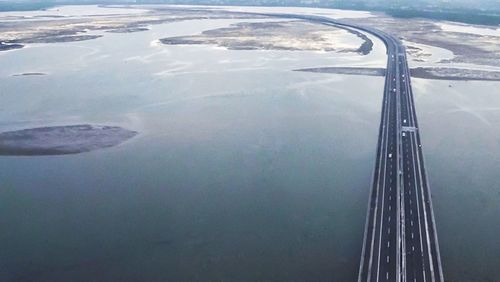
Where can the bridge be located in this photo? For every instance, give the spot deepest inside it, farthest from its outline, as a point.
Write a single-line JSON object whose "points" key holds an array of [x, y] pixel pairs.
{"points": [[400, 239]]}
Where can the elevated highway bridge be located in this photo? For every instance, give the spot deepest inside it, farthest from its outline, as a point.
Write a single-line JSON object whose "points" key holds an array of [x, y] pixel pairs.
{"points": [[400, 239]]}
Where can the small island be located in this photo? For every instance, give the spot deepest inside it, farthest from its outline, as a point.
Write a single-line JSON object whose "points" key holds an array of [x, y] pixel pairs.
{"points": [[6, 47], [62, 140], [29, 74]]}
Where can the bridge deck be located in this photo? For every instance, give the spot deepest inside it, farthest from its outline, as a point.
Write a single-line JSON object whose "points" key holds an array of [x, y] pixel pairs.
{"points": [[400, 241], [402, 203]]}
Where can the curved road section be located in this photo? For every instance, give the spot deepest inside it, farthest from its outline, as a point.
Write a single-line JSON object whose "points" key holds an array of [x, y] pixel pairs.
{"points": [[400, 239]]}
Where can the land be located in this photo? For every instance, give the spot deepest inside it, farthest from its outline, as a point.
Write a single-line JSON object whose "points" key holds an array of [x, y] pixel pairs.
{"points": [[346, 70], [465, 46], [17, 31], [128, 29], [455, 74], [435, 50], [61, 140], [486, 12], [6, 47], [29, 74], [284, 35], [420, 72]]}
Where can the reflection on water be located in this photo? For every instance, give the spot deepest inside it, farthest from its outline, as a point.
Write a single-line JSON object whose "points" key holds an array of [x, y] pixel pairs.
{"points": [[460, 122], [243, 170]]}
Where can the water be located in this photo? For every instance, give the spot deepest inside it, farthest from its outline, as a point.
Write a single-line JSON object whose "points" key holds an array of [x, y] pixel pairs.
{"points": [[462, 148], [243, 170], [453, 27]]}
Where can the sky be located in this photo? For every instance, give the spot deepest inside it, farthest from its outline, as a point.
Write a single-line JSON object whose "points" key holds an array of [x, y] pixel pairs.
{"points": [[486, 5]]}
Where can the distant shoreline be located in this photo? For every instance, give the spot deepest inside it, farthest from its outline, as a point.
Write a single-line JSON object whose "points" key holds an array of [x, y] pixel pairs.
{"points": [[453, 14]]}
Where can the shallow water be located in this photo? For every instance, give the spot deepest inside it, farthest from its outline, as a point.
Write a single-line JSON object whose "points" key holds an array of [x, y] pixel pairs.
{"points": [[243, 170], [460, 133], [482, 30], [74, 11]]}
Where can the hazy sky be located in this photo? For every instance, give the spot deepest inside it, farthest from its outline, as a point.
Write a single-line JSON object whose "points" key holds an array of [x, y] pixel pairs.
{"points": [[486, 5]]}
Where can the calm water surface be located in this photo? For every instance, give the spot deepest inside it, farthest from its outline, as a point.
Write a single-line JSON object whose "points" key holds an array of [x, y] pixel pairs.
{"points": [[460, 124], [243, 170]]}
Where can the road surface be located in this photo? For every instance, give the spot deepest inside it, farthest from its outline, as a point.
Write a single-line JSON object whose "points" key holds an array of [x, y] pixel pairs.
{"points": [[400, 240]]}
